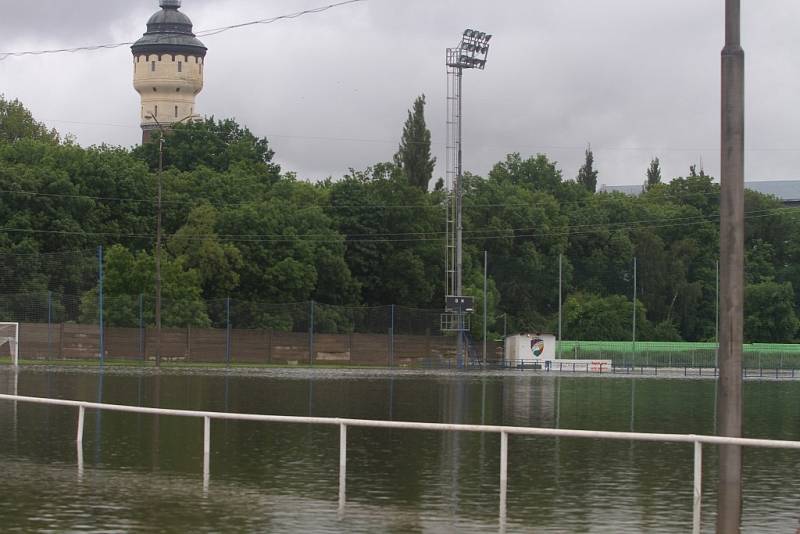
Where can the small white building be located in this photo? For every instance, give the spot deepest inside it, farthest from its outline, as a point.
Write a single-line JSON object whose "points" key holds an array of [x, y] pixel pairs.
{"points": [[538, 351], [530, 349]]}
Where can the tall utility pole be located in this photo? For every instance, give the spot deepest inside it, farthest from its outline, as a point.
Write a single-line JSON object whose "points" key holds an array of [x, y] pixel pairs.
{"points": [[485, 304], [731, 239], [158, 232], [158, 247], [633, 320], [471, 53], [560, 274]]}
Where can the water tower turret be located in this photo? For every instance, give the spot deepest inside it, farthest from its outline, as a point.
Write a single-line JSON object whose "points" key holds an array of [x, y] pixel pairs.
{"points": [[168, 66]]}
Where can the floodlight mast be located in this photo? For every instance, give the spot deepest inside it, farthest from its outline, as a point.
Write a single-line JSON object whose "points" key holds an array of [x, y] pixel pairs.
{"points": [[471, 53]]}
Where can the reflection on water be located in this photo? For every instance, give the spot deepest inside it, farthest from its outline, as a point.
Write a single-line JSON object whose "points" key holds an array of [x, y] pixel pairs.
{"points": [[145, 472]]}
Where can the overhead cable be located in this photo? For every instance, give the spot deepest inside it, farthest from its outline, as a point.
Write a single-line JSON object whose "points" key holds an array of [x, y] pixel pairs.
{"points": [[201, 33]]}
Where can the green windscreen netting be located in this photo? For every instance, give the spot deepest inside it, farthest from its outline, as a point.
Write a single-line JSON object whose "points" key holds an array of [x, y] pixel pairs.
{"points": [[678, 354]]}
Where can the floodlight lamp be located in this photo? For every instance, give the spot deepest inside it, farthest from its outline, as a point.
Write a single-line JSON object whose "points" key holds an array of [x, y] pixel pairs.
{"points": [[467, 33], [488, 37], [480, 35]]}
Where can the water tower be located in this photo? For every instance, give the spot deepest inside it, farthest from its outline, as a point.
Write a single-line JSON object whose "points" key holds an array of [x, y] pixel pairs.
{"points": [[167, 68]]}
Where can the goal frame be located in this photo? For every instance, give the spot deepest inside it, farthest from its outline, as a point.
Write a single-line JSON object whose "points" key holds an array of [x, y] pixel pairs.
{"points": [[15, 347]]}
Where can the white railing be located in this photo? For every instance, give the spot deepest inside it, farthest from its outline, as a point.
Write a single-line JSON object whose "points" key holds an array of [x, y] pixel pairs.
{"points": [[504, 431]]}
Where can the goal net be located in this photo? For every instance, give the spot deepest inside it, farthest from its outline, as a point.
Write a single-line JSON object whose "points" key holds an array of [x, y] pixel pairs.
{"points": [[9, 341]]}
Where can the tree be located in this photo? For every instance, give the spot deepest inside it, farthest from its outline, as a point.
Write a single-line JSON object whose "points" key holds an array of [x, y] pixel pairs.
{"points": [[199, 247], [769, 313], [220, 145], [390, 265], [16, 123], [414, 154], [587, 176], [653, 174], [536, 173], [592, 317], [129, 275]]}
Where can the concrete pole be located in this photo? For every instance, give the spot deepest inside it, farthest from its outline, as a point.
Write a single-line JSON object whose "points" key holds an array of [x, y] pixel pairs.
{"points": [[158, 248], [101, 304], [461, 334], [716, 320], [560, 258], [729, 393], [633, 334], [485, 291]]}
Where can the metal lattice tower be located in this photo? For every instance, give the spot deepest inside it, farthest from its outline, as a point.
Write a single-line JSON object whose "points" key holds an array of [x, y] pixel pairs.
{"points": [[471, 53], [453, 174]]}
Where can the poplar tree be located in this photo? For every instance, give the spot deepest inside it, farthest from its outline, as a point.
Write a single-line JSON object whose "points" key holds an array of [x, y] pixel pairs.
{"points": [[587, 176], [653, 174], [414, 154]]}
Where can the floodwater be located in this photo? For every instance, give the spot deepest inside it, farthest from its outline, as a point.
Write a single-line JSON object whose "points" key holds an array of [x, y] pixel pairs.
{"points": [[144, 473]]}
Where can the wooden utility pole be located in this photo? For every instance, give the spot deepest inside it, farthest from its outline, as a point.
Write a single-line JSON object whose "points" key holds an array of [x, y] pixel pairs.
{"points": [[731, 238]]}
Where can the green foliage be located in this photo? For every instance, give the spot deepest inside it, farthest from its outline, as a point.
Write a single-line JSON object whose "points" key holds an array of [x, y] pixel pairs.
{"points": [[128, 275], [235, 227], [219, 145], [587, 175], [589, 316], [17, 123], [474, 286], [653, 174], [414, 154], [198, 247], [770, 313], [382, 250]]}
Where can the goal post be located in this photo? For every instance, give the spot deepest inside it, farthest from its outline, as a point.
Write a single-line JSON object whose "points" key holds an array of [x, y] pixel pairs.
{"points": [[9, 341]]}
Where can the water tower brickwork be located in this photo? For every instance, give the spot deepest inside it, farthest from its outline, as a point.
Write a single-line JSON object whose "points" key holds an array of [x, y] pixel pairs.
{"points": [[168, 63]]}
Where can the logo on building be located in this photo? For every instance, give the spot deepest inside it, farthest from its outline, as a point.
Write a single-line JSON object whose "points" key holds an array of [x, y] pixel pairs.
{"points": [[537, 347]]}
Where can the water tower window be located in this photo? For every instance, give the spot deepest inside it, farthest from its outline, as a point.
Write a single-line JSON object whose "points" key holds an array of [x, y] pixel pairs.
{"points": [[152, 66], [156, 114], [180, 66], [176, 112]]}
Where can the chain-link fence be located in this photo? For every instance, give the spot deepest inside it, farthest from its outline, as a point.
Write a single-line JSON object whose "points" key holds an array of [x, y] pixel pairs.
{"points": [[60, 303], [224, 331]]}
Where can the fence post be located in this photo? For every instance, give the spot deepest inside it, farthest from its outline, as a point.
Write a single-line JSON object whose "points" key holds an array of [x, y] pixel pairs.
{"points": [[100, 304], [503, 475], [485, 282], [391, 338], [49, 325], [141, 326], [228, 331], [633, 338], [342, 466], [560, 296], [206, 451], [81, 415], [311, 333], [698, 486]]}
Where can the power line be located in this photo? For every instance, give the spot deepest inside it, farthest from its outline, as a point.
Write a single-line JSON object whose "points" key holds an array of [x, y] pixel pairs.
{"points": [[582, 229], [330, 205], [375, 140], [201, 33]]}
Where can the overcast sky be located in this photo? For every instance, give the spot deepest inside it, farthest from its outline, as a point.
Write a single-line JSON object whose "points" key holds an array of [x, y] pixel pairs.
{"points": [[635, 78]]}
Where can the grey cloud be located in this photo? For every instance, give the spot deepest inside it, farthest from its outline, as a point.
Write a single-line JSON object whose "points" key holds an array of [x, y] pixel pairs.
{"points": [[636, 79]]}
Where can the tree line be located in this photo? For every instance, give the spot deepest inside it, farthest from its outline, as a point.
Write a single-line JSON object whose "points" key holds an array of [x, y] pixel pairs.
{"points": [[237, 225]]}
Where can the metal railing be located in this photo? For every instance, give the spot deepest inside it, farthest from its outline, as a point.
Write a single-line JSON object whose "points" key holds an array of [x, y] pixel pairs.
{"points": [[343, 424]]}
